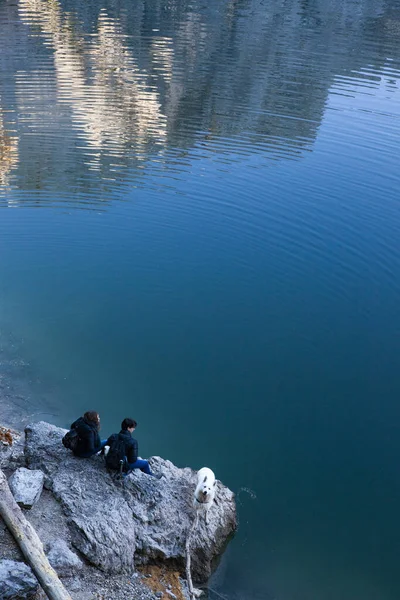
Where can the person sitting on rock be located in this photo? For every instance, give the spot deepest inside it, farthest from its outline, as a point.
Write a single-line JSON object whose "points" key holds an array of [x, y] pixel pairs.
{"points": [[123, 447], [88, 442]]}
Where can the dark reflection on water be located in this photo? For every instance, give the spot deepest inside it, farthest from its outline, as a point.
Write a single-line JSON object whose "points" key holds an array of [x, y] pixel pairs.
{"points": [[96, 95]]}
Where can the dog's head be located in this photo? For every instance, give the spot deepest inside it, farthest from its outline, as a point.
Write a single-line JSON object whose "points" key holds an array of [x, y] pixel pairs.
{"points": [[206, 489]]}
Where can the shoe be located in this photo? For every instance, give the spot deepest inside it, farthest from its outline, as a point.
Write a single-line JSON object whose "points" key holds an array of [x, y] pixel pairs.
{"points": [[158, 476]]}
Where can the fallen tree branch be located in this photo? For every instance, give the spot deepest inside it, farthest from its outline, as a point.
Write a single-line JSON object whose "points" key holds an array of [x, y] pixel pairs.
{"points": [[29, 543]]}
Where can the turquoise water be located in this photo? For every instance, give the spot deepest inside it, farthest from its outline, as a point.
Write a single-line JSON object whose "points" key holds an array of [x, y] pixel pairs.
{"points": [[199, 228]]}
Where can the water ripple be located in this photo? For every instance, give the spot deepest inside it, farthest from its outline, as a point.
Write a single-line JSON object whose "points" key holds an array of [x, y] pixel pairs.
{"points": [[91, 99]]}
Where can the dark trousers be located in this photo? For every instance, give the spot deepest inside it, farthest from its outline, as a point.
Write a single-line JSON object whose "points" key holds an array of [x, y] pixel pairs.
{"points": [[89, 454]]}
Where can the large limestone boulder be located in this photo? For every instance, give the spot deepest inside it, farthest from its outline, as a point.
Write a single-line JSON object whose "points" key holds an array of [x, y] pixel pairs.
{"points": [[26, 486], [99, 519], [140, 520], [16, 580], [163, 514], [44, 450]]}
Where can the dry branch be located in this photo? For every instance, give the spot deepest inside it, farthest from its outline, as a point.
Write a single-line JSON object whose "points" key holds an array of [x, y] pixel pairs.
{"points": [[29, 543]]}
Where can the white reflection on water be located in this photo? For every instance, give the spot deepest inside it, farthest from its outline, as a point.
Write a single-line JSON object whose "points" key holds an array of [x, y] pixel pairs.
{"points": [[8, 152], [111, 97], [112, 105]]}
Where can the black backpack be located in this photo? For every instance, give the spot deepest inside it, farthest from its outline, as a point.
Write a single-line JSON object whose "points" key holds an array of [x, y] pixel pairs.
{"points": [[116, 454], [71, 439]]}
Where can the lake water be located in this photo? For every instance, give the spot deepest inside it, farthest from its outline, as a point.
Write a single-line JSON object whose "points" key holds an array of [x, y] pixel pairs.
{"points": [[199, 228]]}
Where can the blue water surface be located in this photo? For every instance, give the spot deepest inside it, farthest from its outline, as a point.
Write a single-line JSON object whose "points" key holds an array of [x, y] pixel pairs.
{"points": [[199, 228]]}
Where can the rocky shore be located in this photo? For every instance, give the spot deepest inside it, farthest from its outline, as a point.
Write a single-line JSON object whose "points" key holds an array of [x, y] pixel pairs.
{"points": [[106, 539]]}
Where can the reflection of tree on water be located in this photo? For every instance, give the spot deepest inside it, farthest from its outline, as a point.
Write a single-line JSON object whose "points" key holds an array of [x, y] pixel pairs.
{"points": [[146, 80]]}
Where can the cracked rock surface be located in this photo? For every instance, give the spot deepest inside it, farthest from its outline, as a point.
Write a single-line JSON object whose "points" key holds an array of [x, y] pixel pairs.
{"points": [[141, 520]]}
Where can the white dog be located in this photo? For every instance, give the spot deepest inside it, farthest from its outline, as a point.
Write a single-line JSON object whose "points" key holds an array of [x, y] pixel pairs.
{"points": [[204, 493]]}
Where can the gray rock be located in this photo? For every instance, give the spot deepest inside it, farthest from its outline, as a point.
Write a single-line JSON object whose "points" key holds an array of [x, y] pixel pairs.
{"points": [[62, 559], [26, 486], [163, 514], [74, 585], [44, 450], [16, 580], [99, 518], [143, 519]]}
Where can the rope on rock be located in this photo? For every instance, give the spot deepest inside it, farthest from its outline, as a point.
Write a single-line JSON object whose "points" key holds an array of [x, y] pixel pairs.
{"points": [[193, 594]]}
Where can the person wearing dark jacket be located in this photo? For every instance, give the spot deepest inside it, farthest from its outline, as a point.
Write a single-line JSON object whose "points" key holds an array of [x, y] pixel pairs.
{"points": [[87, 428], [132, 461]]}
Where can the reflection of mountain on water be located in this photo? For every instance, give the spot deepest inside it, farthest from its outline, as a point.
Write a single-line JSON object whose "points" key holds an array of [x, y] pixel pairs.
{"points": [[95, 91], [8, 153]]}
